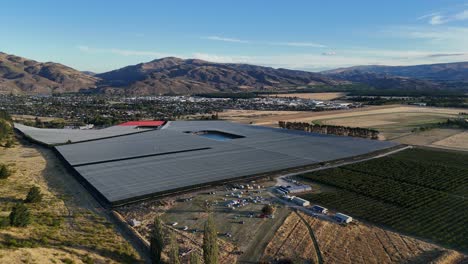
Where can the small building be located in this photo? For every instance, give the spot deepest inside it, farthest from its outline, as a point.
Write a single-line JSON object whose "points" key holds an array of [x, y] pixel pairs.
{"points": [[293, 189], [342, 218], [300, 201], [319, 209], [282, 190], [299, 188]]}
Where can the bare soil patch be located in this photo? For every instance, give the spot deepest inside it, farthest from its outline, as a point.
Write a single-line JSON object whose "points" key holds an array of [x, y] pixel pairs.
{"points": [[242, 231]]}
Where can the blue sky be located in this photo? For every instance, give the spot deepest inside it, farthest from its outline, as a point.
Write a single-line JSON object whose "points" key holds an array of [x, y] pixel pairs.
{"points": [[310, 35]]}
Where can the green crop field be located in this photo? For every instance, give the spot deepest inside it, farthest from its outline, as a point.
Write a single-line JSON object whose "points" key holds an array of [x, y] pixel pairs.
{"points": [[419, 192]]}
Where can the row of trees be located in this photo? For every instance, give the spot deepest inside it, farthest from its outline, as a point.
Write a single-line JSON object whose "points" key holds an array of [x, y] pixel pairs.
{"points": [[158, 240], [330, 129]]}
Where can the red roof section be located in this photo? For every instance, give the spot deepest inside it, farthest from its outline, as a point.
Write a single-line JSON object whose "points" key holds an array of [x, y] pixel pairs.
{"points": [[143, 123]]}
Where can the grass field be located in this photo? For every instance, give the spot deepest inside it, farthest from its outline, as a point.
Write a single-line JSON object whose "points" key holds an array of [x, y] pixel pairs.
{"points": [[68, 226], [418, 192], [314, 96]]}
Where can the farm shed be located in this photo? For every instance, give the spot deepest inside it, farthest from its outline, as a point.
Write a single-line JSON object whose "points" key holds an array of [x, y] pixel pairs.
{"points": [[342, 218], [319, 209], [300, 201], [299, 188]]}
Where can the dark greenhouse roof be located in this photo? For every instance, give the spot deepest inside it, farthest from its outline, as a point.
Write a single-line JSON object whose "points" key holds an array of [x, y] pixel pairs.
{"points": [[182, 155]]}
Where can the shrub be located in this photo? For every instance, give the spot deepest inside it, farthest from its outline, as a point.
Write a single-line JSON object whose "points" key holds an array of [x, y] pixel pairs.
{"points": [[20, 216], [4, 171], [87, 260], [268, 210], [34, 195], [9, 143], [4, 222], [67, 261]]}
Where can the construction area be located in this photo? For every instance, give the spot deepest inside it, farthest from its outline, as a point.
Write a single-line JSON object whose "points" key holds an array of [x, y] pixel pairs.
{"points": [[293, 232]]}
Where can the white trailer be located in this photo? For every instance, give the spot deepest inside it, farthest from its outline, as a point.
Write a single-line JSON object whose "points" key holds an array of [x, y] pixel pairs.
{"points": [[300, 201], [342, 218]]}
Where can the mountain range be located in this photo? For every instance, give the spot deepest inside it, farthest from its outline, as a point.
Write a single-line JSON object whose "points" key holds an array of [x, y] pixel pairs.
{"points": [[191, 76], [456, 71], [20, 75], [174, 75]]}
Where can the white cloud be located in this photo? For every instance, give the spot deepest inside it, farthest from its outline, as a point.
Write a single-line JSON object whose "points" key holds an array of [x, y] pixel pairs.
{"points": [[462, 15], [436, 55], [439, 18], [83, 48], [440, 37], [222, 58], [218, 38], [299, 44], [329, 53]]}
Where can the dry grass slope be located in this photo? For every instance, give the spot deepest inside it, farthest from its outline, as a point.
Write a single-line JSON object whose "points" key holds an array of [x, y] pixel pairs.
{"points": [[68, 223]]}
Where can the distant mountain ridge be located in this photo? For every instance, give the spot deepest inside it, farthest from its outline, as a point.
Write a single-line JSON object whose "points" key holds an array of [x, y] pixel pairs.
{"points": [[455, 71], [175, 75], [20, 75], [385, 81]]}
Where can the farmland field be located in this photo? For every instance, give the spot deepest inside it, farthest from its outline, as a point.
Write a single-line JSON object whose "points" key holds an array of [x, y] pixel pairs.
{"points": [[419, 192], [314, 96], [395, 122], [459, 141], [354, 243]]}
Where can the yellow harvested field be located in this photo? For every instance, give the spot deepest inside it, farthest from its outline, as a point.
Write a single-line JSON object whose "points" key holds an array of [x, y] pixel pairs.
{"points": [[428, 137], [291, 239], [359, 122], [395, 122], [314, 96], [458, 141], [354, 243], [390, 110], [271, 118]]}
